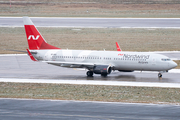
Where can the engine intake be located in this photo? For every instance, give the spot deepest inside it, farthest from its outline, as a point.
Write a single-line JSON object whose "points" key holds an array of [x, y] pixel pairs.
{"points": [[102, 69]]}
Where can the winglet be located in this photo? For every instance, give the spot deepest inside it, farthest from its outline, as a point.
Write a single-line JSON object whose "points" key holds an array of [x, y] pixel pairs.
{"points": [[117, 46], [31, 56]]}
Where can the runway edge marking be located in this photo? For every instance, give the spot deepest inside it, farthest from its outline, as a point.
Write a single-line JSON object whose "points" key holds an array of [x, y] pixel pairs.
{"points": [[99, 102], [87, 82]]}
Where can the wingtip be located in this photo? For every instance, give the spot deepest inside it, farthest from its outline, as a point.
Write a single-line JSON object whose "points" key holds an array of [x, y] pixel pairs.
{"points": [[117, 46]]}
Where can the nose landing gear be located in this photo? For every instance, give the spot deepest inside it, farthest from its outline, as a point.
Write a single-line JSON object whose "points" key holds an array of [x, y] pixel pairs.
{"points": [[160, 75]]}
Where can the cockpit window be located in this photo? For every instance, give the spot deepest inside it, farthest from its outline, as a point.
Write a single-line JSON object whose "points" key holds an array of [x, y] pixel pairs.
{"points": [[165, 59]]}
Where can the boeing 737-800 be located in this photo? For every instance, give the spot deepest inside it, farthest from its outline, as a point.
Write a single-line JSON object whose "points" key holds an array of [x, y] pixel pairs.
{"points": [[96, 62]]}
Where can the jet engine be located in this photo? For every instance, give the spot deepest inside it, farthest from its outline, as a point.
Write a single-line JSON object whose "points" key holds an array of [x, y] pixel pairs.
{"points": [[102, 69]]}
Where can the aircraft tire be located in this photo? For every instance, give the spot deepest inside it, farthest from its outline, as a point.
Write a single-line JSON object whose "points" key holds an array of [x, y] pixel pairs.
{"points": [[89, 73], [159, 75]]}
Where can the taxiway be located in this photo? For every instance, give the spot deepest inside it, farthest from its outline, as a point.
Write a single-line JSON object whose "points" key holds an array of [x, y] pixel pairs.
{"points": [[20, 109], [94, 22]]}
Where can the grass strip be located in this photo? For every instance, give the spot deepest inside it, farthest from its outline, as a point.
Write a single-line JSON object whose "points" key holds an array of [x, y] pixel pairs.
{"points": [[178, 63], [90, 93], [91, 8], [95, 39]]}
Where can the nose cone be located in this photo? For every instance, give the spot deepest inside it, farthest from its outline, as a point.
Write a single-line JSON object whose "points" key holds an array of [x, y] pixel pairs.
{"points": [[172, 64]]}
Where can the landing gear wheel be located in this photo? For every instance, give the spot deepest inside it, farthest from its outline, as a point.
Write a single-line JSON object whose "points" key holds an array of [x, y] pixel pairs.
{"points": [[89, 73], [159, 75], [104, 74]]}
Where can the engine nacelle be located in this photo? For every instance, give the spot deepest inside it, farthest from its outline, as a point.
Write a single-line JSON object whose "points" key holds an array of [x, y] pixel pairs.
{"points": [[102, 69]]}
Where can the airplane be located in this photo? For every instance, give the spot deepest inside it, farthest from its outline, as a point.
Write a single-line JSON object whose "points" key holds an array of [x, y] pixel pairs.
{"points": [[96, 62]]}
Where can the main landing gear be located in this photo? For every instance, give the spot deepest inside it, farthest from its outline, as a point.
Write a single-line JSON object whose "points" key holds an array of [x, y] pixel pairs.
{"points": [[160, 75], [89, 73], [104, 74]]}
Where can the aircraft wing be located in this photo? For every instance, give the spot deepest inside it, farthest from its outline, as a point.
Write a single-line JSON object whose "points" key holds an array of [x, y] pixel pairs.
{"points": [[72, 64]]}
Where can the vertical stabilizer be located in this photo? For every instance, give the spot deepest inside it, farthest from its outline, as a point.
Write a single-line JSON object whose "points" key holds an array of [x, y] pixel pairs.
{"points": [[34, 38]]}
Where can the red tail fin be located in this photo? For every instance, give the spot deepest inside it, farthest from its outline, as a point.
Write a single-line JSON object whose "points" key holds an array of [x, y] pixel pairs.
{"points": [[34, 38]]}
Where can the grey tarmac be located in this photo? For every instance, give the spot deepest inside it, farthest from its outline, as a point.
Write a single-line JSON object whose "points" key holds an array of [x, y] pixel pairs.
{"points": [[94, 22], [20, 109]]}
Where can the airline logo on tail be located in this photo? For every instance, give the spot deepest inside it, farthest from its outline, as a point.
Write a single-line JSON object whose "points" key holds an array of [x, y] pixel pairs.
{"points": [[34, 38]]}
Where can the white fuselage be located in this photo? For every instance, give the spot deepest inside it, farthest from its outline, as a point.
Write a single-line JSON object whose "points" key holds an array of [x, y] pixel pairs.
{"points": [[125, 61]]}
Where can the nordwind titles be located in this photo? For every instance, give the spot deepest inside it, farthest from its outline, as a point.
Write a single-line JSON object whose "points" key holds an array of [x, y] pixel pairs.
{"points": [[127, 56]]}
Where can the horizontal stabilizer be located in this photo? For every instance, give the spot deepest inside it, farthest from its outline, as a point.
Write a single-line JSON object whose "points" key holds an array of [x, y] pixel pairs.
{"points": [[31, 56]]}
